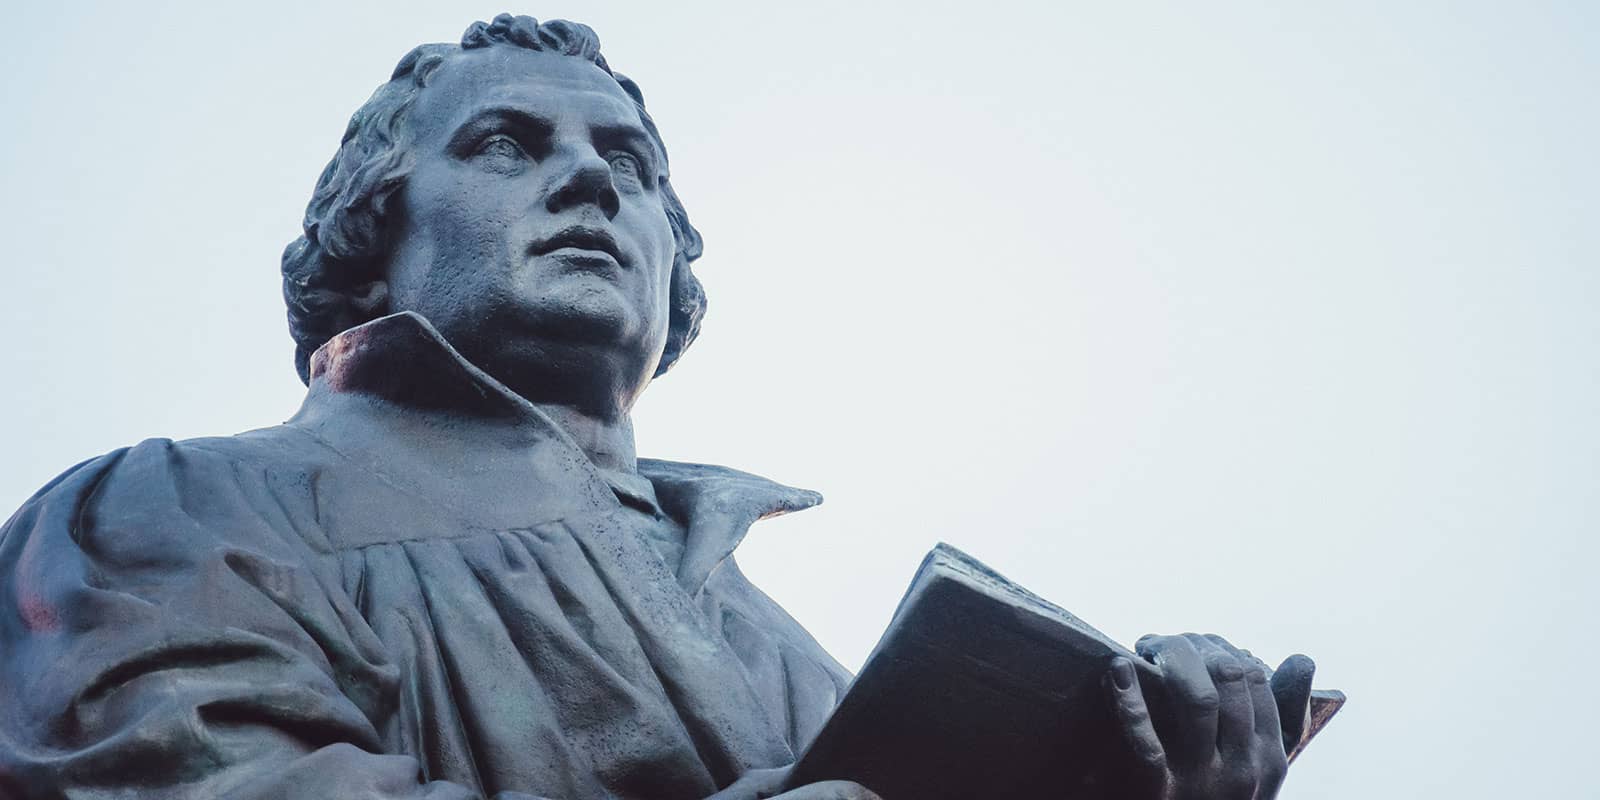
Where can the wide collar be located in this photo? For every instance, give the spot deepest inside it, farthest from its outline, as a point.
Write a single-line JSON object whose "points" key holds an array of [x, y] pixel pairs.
{"points": [[394, 395]]}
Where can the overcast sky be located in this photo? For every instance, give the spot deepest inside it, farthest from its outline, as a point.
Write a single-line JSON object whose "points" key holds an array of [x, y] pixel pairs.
{"points": [[1222, 317]]}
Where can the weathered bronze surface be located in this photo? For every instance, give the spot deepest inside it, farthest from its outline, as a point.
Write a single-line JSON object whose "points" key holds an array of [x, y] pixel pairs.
{"points": [[449, 575]]}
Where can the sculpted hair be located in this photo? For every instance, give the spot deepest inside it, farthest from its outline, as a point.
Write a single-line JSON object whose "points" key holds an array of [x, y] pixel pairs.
{"points": [[333, 274]]}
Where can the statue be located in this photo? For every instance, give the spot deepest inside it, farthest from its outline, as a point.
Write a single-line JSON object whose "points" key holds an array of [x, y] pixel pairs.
{"points": [[449, 575]]}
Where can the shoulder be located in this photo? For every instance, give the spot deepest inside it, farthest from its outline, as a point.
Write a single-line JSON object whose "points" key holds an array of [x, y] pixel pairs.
{"points": [[166, 485], [155, 467]]}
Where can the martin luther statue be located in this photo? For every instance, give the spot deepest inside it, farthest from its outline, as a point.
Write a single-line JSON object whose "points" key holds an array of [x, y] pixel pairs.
{"points": [[448, 576]]}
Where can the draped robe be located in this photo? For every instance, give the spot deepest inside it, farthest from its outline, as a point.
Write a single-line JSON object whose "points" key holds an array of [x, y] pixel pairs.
{"points": [[417, 587]]}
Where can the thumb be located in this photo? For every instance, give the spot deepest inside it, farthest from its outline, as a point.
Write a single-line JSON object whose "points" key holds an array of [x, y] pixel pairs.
{"points": [[1291, 688]]}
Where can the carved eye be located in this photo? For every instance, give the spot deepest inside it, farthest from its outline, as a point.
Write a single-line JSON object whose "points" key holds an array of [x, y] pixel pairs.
{"points": [[626, 168], [501, 153]]}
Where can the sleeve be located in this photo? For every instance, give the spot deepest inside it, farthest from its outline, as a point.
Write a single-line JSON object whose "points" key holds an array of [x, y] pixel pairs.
{"points": [[163, 635]]}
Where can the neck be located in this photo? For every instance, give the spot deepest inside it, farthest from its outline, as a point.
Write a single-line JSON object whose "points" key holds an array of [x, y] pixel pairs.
{"points": [[607, 442]]}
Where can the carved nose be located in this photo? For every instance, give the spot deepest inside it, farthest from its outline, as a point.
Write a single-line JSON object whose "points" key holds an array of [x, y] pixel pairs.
{"points": [[589, 181]]}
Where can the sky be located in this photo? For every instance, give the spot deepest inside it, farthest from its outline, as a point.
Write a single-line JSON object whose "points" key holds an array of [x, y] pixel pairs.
{"points": [[1276, 322]]}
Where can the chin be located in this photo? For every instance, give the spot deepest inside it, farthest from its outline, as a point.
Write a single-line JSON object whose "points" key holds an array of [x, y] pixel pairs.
{"points": [[597, 379], [583, 314]]}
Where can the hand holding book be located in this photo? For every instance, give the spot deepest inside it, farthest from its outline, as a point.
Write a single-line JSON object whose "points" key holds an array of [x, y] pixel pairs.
{"points": [[980, 689], [1222, 737]]}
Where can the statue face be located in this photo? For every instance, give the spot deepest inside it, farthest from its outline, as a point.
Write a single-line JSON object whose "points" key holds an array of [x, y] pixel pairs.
{"points": [[531, 231]]}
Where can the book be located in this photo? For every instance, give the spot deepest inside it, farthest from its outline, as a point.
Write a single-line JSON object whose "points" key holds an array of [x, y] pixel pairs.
{"points": [[981, 689]]}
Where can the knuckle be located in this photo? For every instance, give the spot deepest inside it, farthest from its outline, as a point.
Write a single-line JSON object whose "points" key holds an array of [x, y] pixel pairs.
{"points": [[1151, 755], [1135, 714], [1224, 667], [1206, 702]]}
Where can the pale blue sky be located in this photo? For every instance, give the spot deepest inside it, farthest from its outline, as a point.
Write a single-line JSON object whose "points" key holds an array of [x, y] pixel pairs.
{"points": [[1273, 322]]}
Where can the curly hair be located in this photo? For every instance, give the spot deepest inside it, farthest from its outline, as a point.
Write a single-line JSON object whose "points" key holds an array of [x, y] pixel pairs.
{"points": [[333, 274]]}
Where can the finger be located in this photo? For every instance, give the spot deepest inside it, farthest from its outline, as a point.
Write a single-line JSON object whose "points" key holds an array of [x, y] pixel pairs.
{"points": [[1197, 702], [1270, 753], [1243, 655], [1291, 688], [1128, 705], [1145, 647], [1269, 757], [1236, 719], [1257, 675]]}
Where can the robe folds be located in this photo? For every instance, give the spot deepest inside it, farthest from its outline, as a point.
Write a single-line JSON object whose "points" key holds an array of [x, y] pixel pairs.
{"points": [[418, 587]]}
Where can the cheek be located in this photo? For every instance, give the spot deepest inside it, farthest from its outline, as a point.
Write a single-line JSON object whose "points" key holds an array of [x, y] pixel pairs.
{"points": [[474, 219], [665, 251], [468, 210], [453, 247], [466, 225]]}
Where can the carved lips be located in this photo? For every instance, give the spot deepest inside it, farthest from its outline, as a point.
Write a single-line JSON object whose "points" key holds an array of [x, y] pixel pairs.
{"points": [[584, 243]]}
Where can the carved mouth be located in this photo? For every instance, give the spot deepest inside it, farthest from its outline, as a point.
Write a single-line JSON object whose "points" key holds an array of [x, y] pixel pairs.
{"points": [[580, 237]]}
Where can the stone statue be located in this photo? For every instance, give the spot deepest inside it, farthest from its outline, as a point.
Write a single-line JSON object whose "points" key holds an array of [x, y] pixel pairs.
{"points": [[448, 575]]}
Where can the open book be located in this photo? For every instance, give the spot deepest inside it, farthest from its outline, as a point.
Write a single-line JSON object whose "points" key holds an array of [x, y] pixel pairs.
{"points": [[980, 689]]}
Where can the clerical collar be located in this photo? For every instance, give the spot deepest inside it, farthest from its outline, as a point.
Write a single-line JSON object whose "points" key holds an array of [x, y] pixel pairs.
{"points": [[403, 359], [404, 363], [634, 490]]}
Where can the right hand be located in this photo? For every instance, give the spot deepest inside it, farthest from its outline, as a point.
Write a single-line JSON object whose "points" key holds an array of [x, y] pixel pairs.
{"points": [[1231, 730], [765, 784]]}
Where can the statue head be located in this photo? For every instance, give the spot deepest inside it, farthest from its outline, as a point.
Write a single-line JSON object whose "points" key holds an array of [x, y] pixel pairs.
{"points": [[514, 191]]}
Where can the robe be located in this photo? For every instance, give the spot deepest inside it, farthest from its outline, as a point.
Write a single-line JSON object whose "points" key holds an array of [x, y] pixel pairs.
{"points": [[417, 587]]}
